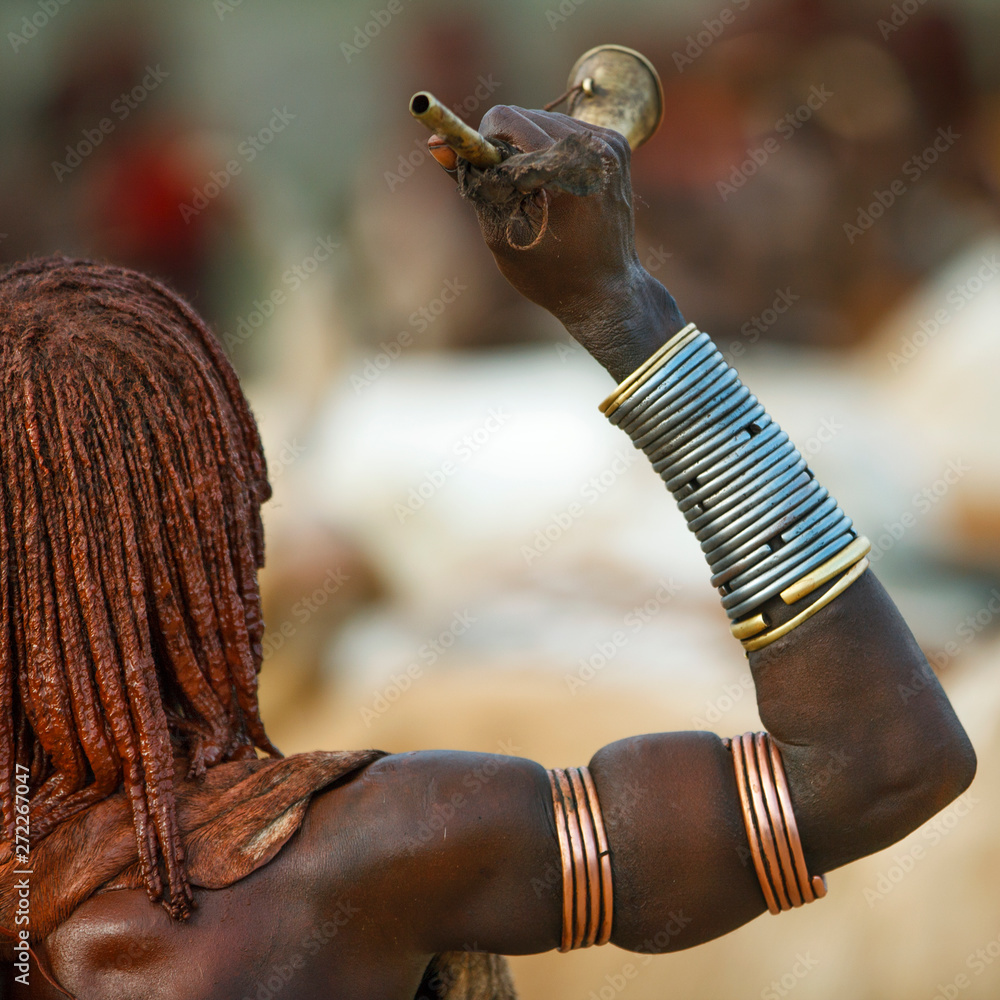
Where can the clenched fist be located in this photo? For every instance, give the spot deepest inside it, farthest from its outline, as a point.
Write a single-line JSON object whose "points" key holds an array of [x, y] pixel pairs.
{"points": [[571, 253]]}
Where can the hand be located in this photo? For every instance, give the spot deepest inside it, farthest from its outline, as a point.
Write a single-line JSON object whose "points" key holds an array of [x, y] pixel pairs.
{"points": [[584, 269]]}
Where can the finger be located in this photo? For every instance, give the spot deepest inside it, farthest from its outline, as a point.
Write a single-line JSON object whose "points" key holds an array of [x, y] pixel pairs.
{"points": [[531, 131], [511, 125], [438, 147], [559, 126]]}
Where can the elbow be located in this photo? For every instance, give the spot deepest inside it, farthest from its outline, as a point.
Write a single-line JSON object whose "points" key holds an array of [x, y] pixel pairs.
{"points": [[947, 772], [941, 772], [942, 766], [885, 794], [924, 760], [940, 778]]}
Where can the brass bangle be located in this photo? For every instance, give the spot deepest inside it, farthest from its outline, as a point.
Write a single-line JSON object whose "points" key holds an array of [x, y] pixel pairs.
{"points": [[586, 865], [592, 860], [663, 354], [736, 746], [748, 627], [604, 854], [786, 869], [844, 559], [566, 858], [767, 811], [760, 641], [848, 556], [579, 859]]}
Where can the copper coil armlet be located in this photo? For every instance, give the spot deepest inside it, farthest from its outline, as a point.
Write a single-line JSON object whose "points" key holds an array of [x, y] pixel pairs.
{"points": [[772, 832], [588, 893]]}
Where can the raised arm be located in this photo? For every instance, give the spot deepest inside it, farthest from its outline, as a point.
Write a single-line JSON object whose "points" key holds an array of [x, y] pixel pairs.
{"points": [[869, 742]]}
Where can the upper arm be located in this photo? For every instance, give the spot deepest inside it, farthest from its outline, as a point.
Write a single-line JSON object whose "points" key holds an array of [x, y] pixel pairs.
{"points": [[469, 857], [468, 850], [681, 863]]}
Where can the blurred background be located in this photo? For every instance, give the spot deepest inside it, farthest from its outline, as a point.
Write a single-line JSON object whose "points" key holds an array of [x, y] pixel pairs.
{"points": [[461, 552]]}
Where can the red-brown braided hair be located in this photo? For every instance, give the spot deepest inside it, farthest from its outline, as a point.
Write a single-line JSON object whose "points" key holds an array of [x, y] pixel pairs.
{"points": [[131, 479]]}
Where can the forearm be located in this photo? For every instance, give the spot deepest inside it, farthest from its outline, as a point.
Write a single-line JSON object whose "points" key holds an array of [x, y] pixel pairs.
{"points": [[870, 743]]}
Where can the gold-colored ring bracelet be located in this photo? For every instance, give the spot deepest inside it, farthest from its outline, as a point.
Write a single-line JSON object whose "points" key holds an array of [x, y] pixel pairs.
{"points": [[851, 558], [648, 368]]}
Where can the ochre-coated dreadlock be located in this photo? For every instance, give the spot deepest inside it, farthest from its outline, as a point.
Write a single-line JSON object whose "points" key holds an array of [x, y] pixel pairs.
{"points": [[131, 479]]}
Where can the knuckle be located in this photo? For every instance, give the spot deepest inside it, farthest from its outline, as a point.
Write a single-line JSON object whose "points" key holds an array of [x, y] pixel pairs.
{"points": [[499, 117], [618, 143]]}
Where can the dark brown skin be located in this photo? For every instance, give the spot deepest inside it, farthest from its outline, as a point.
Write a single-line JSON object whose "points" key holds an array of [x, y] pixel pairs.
{"points": [[865, 767]]}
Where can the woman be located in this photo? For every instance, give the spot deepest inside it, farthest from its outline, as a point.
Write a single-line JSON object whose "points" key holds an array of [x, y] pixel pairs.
{"points": [[131, 634]]}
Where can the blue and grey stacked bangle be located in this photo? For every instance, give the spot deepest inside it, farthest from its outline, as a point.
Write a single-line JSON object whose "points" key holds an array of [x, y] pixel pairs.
{"points": [[765, 524]]}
